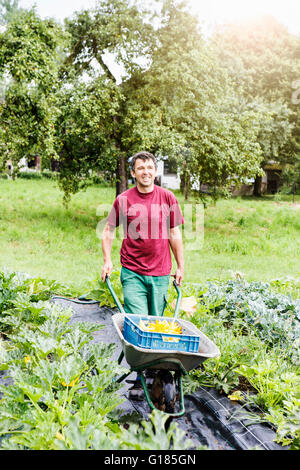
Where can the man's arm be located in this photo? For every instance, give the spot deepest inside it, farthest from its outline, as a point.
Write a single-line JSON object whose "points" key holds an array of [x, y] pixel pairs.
{"points": [[107, 239], [177, 249]]}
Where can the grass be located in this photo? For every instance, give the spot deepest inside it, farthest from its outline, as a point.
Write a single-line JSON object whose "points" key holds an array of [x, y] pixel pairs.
{"points": [[256, 237], [259, 238]]}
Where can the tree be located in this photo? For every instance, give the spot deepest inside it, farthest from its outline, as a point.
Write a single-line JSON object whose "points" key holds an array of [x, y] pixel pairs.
{"points": [[291, 177], [191, 99], [274, 135], [85, 131], [8, 9], [118, 28], [179, 100], [29, 61], [174, 97], [262, 59]]}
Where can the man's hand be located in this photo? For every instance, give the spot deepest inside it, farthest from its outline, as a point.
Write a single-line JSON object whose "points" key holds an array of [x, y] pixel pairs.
{"points": [[178, 276], [177, 248], [107, 238], [106, 270]]}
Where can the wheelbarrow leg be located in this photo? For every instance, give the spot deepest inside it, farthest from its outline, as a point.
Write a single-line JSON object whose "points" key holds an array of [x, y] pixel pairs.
{"points": [[121, 357], [122, 377]]}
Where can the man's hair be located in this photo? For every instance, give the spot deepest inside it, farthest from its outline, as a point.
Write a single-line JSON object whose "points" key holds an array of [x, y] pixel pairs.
{"points": [[143, 156]]}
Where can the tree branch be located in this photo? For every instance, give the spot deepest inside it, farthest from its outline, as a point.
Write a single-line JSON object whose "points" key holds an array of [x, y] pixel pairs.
{"points": [[105, 68]]}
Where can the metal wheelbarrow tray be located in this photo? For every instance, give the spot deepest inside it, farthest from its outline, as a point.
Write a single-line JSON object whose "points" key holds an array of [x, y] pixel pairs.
{"points": [[138, 357]]}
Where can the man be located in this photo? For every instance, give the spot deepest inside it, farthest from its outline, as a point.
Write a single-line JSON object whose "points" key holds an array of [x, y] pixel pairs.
{"points": [[151, 217]]}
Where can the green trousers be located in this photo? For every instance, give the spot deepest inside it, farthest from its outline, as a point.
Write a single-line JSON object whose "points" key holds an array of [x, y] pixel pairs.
{"points": [[144, 295]]}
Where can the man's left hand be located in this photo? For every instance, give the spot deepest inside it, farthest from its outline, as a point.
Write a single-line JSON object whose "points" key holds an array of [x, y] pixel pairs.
{"points": [[178, 276]]}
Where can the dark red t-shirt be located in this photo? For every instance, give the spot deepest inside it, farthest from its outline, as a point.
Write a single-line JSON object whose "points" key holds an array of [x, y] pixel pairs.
{"points": [[146, 220]]}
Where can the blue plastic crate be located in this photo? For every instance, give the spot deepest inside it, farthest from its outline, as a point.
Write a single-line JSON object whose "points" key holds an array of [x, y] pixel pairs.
{"points": [[152, 340]]}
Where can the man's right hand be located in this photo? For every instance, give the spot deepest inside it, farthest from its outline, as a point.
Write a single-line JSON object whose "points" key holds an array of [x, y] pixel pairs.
{"points": [[106, 270], [107, 238]]}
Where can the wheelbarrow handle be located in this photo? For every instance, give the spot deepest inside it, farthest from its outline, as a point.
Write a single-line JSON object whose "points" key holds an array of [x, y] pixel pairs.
{"points": [[179, 296], [114, 295]]}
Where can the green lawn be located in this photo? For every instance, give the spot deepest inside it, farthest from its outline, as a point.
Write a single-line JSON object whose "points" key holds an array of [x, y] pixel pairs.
{"points": [[259, 238]]}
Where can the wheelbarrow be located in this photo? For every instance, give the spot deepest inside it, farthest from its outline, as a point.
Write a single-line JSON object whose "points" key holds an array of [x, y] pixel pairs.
{"points": [[142, 359]]}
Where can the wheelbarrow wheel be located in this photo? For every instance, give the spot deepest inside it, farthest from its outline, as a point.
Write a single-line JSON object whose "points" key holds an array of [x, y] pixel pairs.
{"points": [[163, 391], [169, 392]]}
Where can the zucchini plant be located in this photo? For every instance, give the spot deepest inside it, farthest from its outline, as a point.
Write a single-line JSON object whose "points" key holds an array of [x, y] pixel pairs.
{"points": [[58, 388], [257, 329]]}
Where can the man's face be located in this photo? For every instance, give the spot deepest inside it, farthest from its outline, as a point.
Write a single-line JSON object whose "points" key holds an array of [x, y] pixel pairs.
{"points": [[144, 172]]}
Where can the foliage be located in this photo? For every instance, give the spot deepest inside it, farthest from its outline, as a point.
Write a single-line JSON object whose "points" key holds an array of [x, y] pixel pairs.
{"points": [[287, 422], [259, 358], [12, 284], [90, 131], [60, 390], [8, 8], [291, 177], [84, 132], [29, 63], [216, 106], [38, 175], [154, 436], [262, 58], [288, 285], [100, 292], [275, 318], [236, 349], [275, 128], [261, 55], [185, 105]]}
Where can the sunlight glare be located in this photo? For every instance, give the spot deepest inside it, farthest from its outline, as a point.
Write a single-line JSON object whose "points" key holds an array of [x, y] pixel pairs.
{"points": [[218, 11]]}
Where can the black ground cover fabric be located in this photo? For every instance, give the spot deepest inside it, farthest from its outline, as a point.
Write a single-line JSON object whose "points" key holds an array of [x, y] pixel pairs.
{"points": [[210, 419]]}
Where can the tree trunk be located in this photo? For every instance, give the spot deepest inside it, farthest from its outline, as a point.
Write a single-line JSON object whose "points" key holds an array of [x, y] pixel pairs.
{"points": [[187, 184], [122, 179], [185, 181], [257, 186]]}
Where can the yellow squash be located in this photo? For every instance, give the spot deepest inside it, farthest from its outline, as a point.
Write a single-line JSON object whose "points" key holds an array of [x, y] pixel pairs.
{"points": [[161, 326]]}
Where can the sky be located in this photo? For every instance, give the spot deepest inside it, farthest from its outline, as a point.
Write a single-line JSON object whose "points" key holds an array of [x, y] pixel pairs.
{"points": [[210, 12]]}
